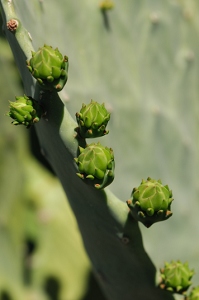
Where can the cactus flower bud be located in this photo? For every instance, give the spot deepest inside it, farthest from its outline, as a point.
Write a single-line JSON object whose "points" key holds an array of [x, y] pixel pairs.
{"points": [[194, 295], [92, 120], [106, 4], [175, 277], [150, 202], [96, 165], [49, 67], [25, 110]]}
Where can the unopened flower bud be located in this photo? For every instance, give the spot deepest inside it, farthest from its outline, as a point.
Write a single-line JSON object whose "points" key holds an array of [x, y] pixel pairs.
{"points": [[150, 202], [49, 67], [92, 120], [96, 165]]}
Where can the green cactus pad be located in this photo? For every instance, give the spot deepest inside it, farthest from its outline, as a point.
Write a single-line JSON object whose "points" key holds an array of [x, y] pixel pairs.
{"points": [[49, 67], [25, 111], [194, 295], [150, 202], [96, 165], [92, 120], [175, 277]]}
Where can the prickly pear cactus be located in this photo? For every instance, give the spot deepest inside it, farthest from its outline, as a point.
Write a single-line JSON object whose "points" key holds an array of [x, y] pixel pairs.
{"points": [[49, 67], [25, 111], [92, 120], [151, 202], [176, 277], [96, 165], [140, 59]]}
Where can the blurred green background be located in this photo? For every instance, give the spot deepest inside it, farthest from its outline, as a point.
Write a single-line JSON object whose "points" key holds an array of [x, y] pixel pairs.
{"points": [[141, 59]]}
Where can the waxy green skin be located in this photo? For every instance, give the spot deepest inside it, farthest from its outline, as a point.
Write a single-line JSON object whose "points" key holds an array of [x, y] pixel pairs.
{"points": [[150, 202], [175, 277], [49, 67], [194, 295], [96, 165], [92, 120], [25, 111]]}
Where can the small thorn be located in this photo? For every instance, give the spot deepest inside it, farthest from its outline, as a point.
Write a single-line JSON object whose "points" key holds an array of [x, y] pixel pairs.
{"points": [[80, 175], [141, 215]]}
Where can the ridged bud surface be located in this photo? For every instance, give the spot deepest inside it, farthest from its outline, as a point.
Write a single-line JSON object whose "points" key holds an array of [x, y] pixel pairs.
{"points": [[25, 111], [96, 165], [150, 202], [49, 67], [175, 277], [92, 120]]}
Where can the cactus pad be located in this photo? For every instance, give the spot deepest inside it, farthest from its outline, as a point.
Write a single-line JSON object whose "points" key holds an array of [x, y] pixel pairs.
{"points": [[96, 165], [25, 111], [92, 120], [49, 67], [176, 277], [150, 202]]}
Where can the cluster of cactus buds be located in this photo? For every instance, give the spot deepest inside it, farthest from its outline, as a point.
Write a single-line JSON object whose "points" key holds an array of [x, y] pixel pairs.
{"points": [[25, 111], [150, 202], [175, 277], [92, 120], [49, 67], [194, 295], [96, 165]]}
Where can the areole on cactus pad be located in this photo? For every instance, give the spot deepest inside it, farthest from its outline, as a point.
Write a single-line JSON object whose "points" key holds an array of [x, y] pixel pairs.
{"points": [[150, 202], [96, 165]]}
